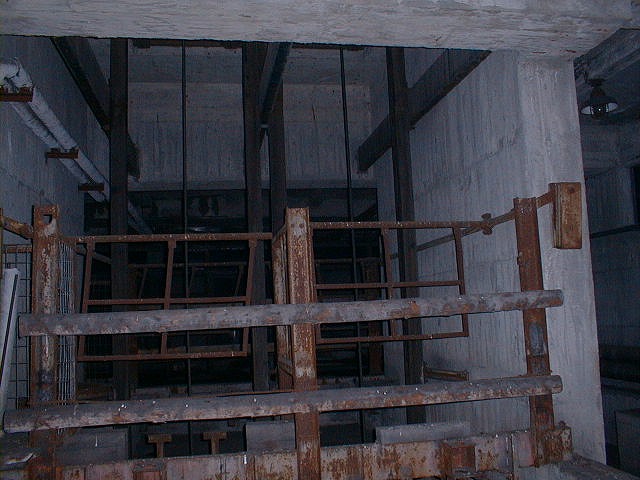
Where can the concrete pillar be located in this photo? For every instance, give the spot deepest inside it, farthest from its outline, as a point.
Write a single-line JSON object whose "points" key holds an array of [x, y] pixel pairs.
{"points": [[508, 130], [551, 135]]}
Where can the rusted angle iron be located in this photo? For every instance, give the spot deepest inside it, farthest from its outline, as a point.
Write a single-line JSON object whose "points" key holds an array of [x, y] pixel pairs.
{"points": [[173, 237], [252, 405], [14, 226], [269, 315]]}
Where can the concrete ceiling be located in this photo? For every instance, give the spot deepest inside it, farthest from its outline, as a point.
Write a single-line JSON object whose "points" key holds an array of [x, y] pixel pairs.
{"points": [[546, 27]]}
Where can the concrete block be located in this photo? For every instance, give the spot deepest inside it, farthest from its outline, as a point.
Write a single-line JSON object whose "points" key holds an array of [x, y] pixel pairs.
{"points": [[422, 432], [270, 436], [628, 423]]}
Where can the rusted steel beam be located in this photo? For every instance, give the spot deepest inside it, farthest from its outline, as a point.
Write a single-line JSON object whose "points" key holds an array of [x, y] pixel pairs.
{"points": [[389, 338], [260, 315], [264, 405], [384, 285], [177, 237], [534, 319], [375, 461], [253, 59], [300, 281], [44, 350], [160, 301], [162, 356], [400, 225], [14, 226]]}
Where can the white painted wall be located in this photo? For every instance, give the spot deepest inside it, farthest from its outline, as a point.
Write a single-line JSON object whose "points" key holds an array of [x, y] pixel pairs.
{"points": [[26, 177], [508, 130]]}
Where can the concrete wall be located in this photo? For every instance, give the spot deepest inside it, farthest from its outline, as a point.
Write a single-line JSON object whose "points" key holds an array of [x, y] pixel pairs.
{"points": [[313, 129], [26, 177], [508, 130]]}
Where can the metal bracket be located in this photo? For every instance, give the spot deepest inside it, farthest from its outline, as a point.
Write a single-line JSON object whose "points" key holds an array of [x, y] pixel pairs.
{"points": [[24, 94], [71, 154], [457, 459]]}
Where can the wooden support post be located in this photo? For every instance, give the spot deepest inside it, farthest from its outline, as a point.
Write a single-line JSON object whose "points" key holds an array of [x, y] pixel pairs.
{"points": [[44, 350], [303, 347], [252, 61], [535, 320], [403, 188], [118, 177]]}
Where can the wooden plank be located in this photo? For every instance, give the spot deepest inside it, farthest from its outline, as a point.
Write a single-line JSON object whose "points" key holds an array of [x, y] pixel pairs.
{"points": [[439, 79], [159, 321], [567, 215], [264, 405]]}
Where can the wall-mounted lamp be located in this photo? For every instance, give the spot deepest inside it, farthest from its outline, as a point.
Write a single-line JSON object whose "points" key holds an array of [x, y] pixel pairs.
{"points": [[599, 104]]}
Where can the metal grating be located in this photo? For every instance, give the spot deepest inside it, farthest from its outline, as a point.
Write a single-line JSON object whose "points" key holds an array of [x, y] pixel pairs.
{"points": [[67, 345], [19, 256]]}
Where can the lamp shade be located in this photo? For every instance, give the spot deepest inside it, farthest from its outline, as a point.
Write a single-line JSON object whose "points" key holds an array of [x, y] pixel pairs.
{"points": [[599, 103]]}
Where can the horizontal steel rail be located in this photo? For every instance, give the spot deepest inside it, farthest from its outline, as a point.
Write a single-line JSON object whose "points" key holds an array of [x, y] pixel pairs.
{"points": [[265, 405], [161, 321]]}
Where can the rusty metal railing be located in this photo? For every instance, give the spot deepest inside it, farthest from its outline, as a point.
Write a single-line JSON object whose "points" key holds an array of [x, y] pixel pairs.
{"points": [[242, 291], [390, 286]]}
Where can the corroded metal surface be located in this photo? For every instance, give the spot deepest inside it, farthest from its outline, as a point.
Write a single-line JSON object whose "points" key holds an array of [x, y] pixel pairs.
{"points": [[534, 319], [300, 280], [268, 404], [44, 350], [364, 462], [265, 315]]}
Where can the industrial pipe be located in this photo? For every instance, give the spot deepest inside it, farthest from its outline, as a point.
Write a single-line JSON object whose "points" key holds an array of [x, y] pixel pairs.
{"points": [[46, 125]]}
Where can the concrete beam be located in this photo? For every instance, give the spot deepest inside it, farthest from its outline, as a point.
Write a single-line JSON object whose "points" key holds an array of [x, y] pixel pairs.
{"points": [[563, 27]]}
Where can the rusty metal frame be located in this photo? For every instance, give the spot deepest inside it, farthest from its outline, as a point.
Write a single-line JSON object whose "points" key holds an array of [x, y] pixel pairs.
{"points": [[166, 301], [502, 452], [294, 283], [390, 286]]}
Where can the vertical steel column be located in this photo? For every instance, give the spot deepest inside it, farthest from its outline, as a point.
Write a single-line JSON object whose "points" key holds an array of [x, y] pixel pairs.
{"points": [[535, 320], [118, 215], [300, 274], [277, 163], [252, 62], [403, 188], [44, 350]]}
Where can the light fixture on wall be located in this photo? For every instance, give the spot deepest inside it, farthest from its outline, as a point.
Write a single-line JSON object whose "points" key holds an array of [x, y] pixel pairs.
{"points": [[599, 104]]}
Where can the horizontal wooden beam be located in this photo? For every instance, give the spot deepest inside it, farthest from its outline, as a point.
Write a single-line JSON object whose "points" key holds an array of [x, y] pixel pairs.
{"points": [[269, 315], [264, 405], [441, 77]]}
